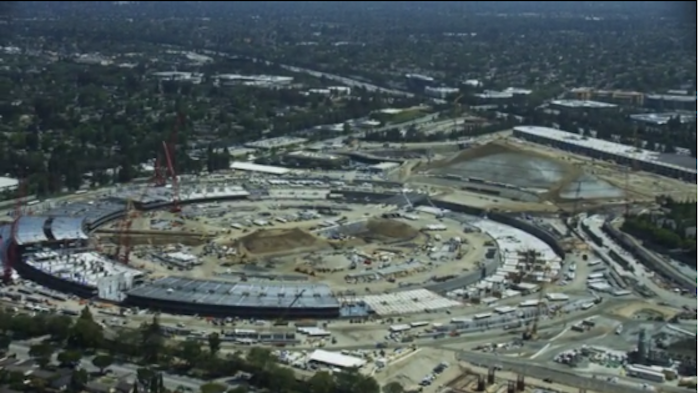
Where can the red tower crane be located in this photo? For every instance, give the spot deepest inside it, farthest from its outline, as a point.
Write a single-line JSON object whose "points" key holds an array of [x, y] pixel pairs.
{"points": [[12, 252], [169, 149], [175, 208], [158, 179], [123, 251]]}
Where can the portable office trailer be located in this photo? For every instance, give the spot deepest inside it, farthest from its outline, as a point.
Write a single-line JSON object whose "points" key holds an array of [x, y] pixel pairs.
{"points": [[636, 371]]}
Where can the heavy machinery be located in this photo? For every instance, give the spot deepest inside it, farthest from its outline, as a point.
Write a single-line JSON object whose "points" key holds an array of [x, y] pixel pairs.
{"points": [[281, 321]]}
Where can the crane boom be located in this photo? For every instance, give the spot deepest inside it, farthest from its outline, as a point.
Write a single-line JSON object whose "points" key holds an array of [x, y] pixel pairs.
{"points": [[12, 251], [531, 333], [281, 319], [175, 190]]}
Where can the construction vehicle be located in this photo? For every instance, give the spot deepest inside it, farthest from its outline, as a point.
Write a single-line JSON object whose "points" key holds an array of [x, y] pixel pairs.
{"points": [[531, 332], [281, 321]]}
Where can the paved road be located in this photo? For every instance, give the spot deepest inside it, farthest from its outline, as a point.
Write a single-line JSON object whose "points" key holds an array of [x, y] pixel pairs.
{"points": [[536, 369], [663, 294], [602, 309]]}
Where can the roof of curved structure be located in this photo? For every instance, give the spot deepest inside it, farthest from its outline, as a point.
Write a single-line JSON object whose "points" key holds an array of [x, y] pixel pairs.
{"points": [[273, 294]]}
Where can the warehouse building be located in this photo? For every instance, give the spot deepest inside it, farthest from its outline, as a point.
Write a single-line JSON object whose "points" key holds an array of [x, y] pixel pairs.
{"points": [[8, 184], [309, 159], [581, 105], [660, 119], [599, 149], [383, 167], [418, 83], [612, 96], [281, 142], [250, 167], [671, 102]]}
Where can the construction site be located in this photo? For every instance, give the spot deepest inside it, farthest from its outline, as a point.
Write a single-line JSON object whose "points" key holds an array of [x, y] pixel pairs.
{"points": [[528, 172], [407, 277]]}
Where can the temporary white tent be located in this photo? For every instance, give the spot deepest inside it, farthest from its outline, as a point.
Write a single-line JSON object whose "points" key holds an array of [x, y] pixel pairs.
{"points": [[336, 359]]}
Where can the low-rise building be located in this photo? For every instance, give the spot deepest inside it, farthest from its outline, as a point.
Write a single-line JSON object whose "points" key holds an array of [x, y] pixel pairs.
{"points": [[309, 159], [581, 105], [8, 184], [671, 102], [441, 92], [276, 143]]}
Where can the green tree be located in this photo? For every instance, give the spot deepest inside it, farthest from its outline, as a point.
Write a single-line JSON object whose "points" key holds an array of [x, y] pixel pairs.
{"points": [[59, 328], [212, 387], [321, 382], [102, 362], [86, 333], [281, 379], [5, 342], [145, 375], [393, 387], [69, 358], [190, 351], [352, 381], [260, 358], [214, 342], [79, 378], [152, 341], [41, 350], [38, 384]]}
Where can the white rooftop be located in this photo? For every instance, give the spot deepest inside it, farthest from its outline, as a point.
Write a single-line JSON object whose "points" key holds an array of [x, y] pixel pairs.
{"points": [[8, 182], [281, 141], [249, 166], [86, 268], [599, 145], [511, 240], [583, 104], [336, 359]]}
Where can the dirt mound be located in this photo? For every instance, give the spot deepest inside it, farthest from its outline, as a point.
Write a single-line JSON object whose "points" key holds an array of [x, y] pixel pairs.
{"points": [[471, 154], [390, 229], [267, 241]]}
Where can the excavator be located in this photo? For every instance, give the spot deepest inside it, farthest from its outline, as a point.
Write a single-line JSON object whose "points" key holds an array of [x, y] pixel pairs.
{"points": [[281, 321]]}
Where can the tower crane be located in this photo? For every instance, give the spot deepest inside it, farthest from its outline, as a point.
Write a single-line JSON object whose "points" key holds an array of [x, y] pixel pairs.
{"points": [[12, 252], [175, 208], [169, 150], [123, 251], [456, 106], [281, 320], [531, 333]]}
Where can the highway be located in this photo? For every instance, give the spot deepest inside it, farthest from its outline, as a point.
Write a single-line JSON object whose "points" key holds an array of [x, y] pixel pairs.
{"points": [[559, 374]]}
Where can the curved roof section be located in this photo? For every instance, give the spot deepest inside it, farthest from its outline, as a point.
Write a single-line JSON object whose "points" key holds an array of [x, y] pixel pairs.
{"points": [[228, 294], [31, 230], [68, 228]]}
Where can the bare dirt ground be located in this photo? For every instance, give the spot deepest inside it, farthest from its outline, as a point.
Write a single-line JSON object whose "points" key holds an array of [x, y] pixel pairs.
{"points": [[270, 241], [634, 186], [565, 172], [390, 229], [631, 310], [409, 370]]}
